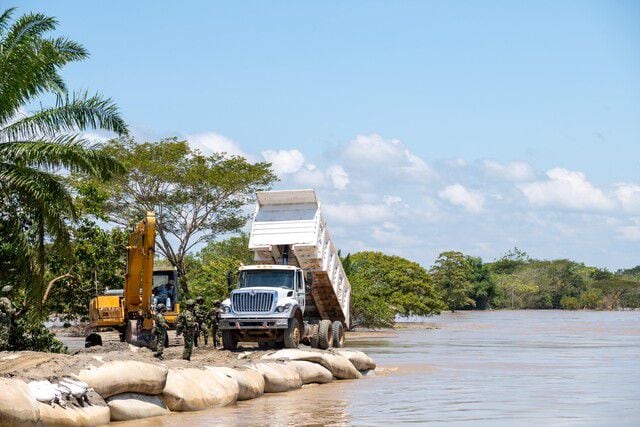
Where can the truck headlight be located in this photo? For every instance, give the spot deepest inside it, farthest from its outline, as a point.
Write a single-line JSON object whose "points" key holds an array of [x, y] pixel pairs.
{"points": [[224, 309], [283, 308]]}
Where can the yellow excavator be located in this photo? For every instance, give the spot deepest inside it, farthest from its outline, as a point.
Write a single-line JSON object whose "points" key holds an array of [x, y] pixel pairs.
{"points": [[130, 310]]}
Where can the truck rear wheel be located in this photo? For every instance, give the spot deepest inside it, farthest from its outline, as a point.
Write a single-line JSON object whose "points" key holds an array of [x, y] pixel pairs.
{"points": [[338, 334], [229, 340], [325, 334], [292, 335]]}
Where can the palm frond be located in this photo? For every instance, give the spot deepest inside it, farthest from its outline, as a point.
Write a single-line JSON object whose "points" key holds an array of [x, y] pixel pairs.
{"points": [[4, 19], [79, 113], [27, 26], [66, 151]]}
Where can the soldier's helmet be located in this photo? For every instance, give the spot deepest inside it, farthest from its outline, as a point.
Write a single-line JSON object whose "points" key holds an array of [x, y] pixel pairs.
{"points": [[7, 289], [200, 300], [161, 307], [216, 303], [190, 303]]}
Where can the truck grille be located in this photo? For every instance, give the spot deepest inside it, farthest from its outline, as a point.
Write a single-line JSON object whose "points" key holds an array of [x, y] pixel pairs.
{"points": [[252, 302]]}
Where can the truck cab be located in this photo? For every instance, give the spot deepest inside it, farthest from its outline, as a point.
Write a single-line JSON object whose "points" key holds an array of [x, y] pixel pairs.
{"points": [[265, 299]]}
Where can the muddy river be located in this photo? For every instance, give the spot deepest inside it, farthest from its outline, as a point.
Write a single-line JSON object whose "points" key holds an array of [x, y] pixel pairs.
{"points": [[477, 368]]}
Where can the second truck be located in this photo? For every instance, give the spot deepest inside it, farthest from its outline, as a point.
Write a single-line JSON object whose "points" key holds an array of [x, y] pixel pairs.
{"points": [[297, 290]]}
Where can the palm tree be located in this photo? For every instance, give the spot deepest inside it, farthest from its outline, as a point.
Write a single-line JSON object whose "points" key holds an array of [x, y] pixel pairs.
{"points": [[37, 149]]}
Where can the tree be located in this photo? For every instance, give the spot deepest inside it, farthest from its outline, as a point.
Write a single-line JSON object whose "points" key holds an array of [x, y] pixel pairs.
{"points": [[451, 273], [196, 197], [34, 200], [483, 286], [383, 286], [208, 269]]}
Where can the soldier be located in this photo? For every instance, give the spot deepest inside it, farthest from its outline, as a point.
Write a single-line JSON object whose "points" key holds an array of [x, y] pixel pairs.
{"points": [[215, 317], [6, 316], [160, 330], [187, 325], [201, 314]]}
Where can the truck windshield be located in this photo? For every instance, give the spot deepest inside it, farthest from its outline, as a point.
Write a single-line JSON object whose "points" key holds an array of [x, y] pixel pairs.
{"points": [[267, 278]]}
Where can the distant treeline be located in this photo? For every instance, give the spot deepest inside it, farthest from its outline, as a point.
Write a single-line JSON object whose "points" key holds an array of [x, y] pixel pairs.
{"points": [[385, 286]]}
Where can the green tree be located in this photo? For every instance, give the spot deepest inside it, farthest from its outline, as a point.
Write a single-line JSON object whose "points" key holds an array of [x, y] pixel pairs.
{"points": [[208, 269], [451, 274], [35, 146], [483, 286], [196, 197], [383, 286]]}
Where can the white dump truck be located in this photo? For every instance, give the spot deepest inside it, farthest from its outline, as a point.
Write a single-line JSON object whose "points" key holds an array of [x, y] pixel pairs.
{"points": [[297, 291]]}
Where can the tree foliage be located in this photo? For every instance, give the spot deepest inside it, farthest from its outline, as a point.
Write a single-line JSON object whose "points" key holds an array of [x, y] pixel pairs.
{"points": [[34, 146], [196, 197], [383, 286], [452, 275]]}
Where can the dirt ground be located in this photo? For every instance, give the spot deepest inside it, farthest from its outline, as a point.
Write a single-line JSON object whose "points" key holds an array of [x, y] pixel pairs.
{"points": [[37, 366]]}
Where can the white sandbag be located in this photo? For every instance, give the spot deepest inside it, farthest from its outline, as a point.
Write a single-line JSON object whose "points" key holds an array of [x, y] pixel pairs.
{"points": [[311, 372], [195, 389], [360, 360], [278, 377], [44, 391], [56, 415], [125, 377], [340, 366], [250, 382], [133, 406], [17, 404]]}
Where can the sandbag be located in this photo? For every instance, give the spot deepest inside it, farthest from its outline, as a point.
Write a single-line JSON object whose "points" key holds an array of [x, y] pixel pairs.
{"points": [[278, 377], [133, 406], [250, 382], [360, 360], [126, 376], [195, 389], [311, 372], [340, 366], [17, 404], [229, 385], [73, 416]]}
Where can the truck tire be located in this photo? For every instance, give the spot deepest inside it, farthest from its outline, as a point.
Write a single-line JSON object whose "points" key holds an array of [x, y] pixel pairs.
{"points": [[292, 335], [338, 334], [325, 335], [229, 340]]}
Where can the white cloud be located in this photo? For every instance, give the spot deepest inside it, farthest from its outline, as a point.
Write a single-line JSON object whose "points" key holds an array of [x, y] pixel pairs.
{"points": [[566, 189], [374, 153], [630, 232], [514, 171], [458, 195], [392, 200], [338, 176], [310, 176], [284, 161], [211, 142], [629, 197]]}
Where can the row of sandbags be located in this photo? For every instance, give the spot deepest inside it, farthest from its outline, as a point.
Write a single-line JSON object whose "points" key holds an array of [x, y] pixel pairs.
{"points": [[130, 390]]}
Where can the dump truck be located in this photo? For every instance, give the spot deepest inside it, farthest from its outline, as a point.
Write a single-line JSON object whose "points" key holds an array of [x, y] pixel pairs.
{"points": [[130, 310], [297, 290]]}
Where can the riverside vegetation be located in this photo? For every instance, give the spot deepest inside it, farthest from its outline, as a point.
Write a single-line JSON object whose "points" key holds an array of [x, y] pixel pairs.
{"points": [[57, 189]]}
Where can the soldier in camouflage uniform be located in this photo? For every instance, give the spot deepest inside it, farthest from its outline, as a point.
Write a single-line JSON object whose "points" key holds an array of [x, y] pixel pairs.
{"points": [[160, 330], [202, 318], [215, 318], [187, 325], [6, 317]]}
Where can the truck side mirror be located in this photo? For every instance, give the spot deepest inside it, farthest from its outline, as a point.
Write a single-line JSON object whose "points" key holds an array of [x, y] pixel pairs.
{"points": [[229, 281]]}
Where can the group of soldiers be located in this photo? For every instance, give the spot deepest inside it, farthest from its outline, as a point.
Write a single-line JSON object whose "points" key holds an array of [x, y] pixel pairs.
{"points": [[194, 321]]}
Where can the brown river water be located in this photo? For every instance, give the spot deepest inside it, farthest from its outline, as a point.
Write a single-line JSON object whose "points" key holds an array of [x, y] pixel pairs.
{"points": [[474, 368]]}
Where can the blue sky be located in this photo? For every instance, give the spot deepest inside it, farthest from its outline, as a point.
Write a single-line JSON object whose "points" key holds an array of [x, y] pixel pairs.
{"points": [[424, 126]]}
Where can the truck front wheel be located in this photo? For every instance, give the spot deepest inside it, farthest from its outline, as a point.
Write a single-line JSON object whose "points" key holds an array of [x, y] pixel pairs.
{"points": [[229, 340], [292, 336], [325, 334], [338, 334]]}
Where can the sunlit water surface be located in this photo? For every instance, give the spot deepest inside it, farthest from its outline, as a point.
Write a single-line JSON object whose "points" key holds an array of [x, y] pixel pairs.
{"points": [[476, 368]]}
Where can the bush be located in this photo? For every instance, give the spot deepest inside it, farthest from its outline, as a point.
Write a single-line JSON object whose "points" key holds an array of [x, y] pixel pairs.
{"points": [[569, 303], [591, 299]]}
